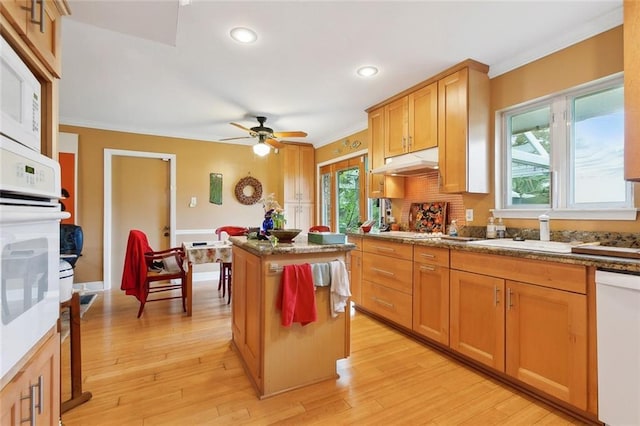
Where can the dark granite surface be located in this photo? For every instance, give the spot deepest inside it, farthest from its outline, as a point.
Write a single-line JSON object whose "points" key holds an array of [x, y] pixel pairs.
{"points": [[603, 262], [299, 246]]}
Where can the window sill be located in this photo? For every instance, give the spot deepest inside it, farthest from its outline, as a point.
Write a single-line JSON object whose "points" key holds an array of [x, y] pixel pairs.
{"points": [[566, 214]]}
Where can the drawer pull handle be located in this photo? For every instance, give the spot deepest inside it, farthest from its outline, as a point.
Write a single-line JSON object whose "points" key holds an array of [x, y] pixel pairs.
{"points": [[427, 268], [383, 272], [496, 297], [430, 256], [34, 390], [383, 302], [509, 299]]}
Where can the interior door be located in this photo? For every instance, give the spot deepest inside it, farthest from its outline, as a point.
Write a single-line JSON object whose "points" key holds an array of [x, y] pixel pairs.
{"points": [[140, 200]]}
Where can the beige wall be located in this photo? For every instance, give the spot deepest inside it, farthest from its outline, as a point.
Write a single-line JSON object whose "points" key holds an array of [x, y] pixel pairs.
{"points": [[594, 58], [194, 160], [343, 146]]}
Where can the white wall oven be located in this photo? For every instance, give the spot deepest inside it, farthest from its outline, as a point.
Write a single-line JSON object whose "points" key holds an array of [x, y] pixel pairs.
{"points": [[20, 99], [30, 217]]}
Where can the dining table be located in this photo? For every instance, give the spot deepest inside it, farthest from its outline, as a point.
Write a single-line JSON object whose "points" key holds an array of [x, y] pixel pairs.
{"points": [[200, 252]]}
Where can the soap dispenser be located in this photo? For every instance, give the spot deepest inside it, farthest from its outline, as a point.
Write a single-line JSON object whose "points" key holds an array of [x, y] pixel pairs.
{"points": [[491, 228], [453, 229], [545, 233]]}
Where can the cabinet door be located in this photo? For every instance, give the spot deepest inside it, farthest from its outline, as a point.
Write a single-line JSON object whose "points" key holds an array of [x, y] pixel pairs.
{"points": [[356, 276], [631, 30], [291, 164], [431, 301], [452, 131], [306, 174], [547, 340], [44, 35], [247, 309], [477, 317], [42, 370], [423, 118], [376, 152], [396, 115]]}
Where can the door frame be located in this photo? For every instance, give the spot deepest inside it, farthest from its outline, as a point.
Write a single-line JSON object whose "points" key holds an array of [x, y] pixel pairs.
{"points": [[108, 194]]}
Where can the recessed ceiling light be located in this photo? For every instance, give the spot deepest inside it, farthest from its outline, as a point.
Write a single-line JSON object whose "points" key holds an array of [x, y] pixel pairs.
{"points": [[368, 71], [243, 35]]}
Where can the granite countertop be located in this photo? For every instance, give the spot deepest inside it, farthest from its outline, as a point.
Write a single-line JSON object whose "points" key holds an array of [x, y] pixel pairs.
{"points": [[604, 262], [299, 246]]}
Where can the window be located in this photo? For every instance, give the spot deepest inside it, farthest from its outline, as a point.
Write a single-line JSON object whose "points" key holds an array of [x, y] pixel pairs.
{"points": [[343, 194], [565, 155]]}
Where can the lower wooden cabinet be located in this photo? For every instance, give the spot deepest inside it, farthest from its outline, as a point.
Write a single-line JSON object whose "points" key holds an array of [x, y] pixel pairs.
{"points": [[356, 275], [33, 396], [477, 317], [546, 340], [431, 293]]}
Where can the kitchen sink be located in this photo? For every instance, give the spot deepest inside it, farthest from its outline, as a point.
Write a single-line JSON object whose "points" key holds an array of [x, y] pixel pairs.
{"points": [[535, 245]]}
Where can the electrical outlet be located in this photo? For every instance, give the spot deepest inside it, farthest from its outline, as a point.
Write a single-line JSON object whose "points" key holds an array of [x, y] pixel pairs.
{"points": [[469, 215]]}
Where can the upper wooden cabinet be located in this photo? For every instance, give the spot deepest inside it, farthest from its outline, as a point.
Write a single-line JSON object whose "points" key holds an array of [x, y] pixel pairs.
{"points": [[299, 172], [39, 24], [381, 186], [463, 130], [412, 122], [632, 90]]}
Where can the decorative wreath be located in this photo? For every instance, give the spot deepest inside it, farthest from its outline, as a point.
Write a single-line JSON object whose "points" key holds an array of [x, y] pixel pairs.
{"points": [[248, 200]]}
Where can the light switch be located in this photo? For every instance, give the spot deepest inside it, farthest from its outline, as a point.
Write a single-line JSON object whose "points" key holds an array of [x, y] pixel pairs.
{"points": [[469, 215], [193, 202]]}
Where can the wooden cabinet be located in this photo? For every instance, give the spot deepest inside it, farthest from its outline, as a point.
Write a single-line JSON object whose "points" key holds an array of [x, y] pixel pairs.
{"points": [[278, 358], [431, 293], [631, 30], [39, 23], [412, 122], [381, 186], [546, 340], [355, 269], [246, 306], [299, 173], [37, 385], [534, 329], [477, 317], [463, 130], [387, 282]]}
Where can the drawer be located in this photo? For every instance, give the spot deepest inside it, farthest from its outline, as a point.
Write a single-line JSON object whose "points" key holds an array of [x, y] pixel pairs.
{"points": [[390, 272], [355, 240], [431, 255], [388, 303], [561, 276], [386, 248]]}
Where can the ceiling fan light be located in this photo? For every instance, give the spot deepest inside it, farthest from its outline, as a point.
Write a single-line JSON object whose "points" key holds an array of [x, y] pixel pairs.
{"points": [[243, 35], [261, 149], [367, 71]]}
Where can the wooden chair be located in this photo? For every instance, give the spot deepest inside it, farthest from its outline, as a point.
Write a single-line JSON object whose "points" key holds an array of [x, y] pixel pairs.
{"points": [[147, 272], [319, 228], [224, 282]]}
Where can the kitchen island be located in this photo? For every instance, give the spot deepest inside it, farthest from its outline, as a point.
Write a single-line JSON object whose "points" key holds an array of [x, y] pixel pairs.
{"points": [[278, 358]]}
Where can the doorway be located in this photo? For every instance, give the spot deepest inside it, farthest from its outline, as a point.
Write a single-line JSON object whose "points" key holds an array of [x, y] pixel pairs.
{"points": [[139, 193]]}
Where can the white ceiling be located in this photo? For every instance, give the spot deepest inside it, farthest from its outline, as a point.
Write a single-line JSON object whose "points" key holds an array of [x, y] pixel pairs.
{"points": [[158, 68]]}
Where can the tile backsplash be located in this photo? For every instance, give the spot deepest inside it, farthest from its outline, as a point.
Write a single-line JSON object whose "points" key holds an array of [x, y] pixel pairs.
{"points": [[425, 188]]}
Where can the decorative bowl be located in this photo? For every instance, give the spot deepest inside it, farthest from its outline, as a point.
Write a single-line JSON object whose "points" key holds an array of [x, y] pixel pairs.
{"points": [[285, 235], [366, 229]]}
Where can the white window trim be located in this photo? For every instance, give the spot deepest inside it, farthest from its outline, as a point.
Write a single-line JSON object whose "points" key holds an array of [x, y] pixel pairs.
{"points": [[554, 213]]}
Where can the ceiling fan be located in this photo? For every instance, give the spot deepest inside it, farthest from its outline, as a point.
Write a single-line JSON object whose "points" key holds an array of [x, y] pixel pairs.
{"points": [[266, 136]]}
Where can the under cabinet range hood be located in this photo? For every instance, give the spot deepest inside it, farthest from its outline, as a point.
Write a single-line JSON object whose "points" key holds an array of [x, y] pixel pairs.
{"points": [[413, 164]]}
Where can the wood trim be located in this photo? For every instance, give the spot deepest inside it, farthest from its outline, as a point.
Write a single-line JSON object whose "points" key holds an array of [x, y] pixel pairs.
{"points": [[592, 343], [468, 63]]}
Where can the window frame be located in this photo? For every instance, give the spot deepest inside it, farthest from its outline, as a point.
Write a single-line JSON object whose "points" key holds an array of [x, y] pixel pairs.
{"points": [[562, 205]]}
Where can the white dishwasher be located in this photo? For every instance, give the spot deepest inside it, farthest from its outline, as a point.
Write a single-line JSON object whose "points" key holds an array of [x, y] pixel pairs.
{"points": [[618, 323]]}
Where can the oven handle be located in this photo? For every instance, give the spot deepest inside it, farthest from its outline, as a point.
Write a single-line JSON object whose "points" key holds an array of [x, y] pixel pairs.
{"points": [[31, 216]]}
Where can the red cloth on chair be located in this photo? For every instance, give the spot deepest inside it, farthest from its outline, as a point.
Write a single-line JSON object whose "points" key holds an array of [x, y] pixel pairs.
{"points": [[297, 296], [134, 274]]}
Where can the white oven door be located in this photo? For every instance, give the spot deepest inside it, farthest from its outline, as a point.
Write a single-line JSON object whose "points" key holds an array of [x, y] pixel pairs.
{"points": [[29, 277]]}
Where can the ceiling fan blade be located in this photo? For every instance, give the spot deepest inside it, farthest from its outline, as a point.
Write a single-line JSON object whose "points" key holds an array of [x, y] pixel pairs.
{"points": [[296, 134], [233, 139], [274, 143], [240, 126]]}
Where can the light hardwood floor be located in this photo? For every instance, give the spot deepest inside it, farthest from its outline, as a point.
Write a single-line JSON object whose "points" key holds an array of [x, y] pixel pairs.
{"points": [[165, 368]]}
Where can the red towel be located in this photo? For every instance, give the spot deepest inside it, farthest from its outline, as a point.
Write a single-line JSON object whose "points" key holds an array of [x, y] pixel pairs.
{"points": [[134, 273], [297, 296]]}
